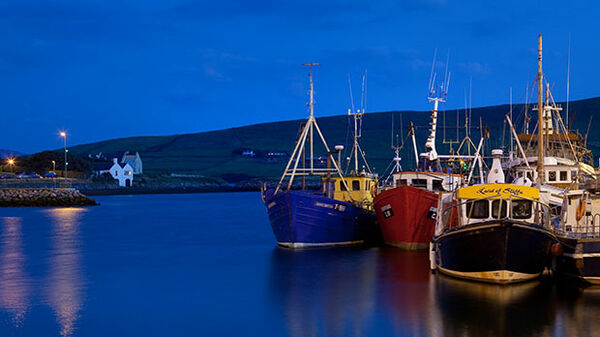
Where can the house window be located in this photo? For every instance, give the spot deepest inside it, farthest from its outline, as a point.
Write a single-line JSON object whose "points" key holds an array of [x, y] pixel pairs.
{"points": [[355, 185], [496, 207], [563, 175], [479, 209], [552, 176], [521, 209]]}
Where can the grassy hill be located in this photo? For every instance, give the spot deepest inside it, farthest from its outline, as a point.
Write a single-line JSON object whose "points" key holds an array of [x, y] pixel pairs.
{"points": [[218, 153]]}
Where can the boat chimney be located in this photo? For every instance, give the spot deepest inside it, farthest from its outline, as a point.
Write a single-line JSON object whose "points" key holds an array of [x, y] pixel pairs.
{"points": [[496, 175]]}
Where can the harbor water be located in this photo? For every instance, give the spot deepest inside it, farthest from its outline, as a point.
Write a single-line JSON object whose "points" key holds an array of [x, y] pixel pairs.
{"points": [[208, 265]]}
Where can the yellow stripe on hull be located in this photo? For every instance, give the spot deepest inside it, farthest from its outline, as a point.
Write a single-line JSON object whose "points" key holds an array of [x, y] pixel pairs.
{"points": [[495, 276]]}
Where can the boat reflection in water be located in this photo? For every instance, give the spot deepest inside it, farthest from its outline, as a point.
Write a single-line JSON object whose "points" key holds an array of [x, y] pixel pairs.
{"points": [[65, 284], [579, 310], [324, 292], [483, 309], [15, 285], [404, 291]]}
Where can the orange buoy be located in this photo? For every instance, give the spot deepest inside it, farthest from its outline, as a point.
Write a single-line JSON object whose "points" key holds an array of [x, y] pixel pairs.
{"points": [[580, 210], [557, 249]]}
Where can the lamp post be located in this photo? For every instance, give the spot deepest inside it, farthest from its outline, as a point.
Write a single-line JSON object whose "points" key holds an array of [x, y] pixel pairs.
{"points": [[64, 135], [11, 162]]}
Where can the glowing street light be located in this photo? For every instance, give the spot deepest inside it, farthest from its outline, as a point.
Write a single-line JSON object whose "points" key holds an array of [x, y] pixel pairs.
{"points": [[53, 166], [64, 135], [11, 163]]}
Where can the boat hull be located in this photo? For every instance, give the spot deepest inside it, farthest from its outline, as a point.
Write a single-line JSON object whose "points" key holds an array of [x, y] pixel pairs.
{"points": [[494, 251], [406, 216], [580, 259], [304, 219]]}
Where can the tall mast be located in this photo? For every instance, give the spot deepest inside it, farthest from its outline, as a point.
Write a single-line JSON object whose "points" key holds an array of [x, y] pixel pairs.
{"points": [[311, 117], [540, 78]]}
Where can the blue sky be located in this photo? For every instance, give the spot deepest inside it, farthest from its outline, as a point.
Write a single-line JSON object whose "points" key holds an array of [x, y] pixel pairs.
{"points": [[108, 69]]}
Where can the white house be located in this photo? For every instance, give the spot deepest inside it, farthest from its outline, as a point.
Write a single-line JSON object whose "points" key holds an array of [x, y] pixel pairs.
{"points": [[134, 161], [122, 172]]}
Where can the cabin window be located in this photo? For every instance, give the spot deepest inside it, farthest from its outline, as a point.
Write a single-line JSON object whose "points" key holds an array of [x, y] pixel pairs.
{"points": [[422, 183], [342, 186], [355, 185], [552, 176], [521, 209], [403, 182], [529, 176], [563, 176], [573, 175], [437, 185], [496, 207], [479, 209], [367, 185]]}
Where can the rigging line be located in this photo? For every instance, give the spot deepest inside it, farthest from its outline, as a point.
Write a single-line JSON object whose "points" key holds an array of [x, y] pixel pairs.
{"points": [[365, 86], [350, 90], [430, 86], [568, 79]]}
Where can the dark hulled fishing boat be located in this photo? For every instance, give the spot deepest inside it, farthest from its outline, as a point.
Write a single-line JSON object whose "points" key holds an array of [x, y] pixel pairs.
{"points": [[493, 232], [501, 235], [340, 213]]}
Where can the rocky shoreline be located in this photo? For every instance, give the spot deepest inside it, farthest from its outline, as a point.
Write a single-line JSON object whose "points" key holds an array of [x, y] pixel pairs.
{"points": [[43, 197]]}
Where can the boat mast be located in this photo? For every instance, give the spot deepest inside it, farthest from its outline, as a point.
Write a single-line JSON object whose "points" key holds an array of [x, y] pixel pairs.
{"points": [[540, 76], [306, 135], [311, 104], [356, 148]]}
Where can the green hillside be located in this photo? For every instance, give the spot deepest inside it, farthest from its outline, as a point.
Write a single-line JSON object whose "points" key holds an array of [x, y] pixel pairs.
{"points": [[218, 153]]}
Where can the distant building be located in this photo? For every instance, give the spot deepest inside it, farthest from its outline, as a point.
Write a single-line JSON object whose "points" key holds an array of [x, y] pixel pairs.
{"points": [[134, 161], [248, 153], [121, 172]]}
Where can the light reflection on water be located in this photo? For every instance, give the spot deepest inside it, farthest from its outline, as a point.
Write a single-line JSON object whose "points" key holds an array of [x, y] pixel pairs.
{"points": [[14, 283], [189, 265], [65, 283]]}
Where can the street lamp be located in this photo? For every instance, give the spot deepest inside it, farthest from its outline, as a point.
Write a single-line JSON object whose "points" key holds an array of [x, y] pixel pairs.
{"points": [[64, 135], [11, 162], [53, 166]]}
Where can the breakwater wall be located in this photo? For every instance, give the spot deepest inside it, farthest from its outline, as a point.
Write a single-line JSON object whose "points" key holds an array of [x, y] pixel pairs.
{"points": [[13, 197]]}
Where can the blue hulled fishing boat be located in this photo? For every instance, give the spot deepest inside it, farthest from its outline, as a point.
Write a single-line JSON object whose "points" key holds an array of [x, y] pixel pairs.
{"points": [[340, 213]]}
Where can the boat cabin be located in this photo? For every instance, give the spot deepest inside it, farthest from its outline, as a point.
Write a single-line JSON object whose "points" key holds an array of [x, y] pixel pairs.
{"points": [[580, 216], [431, 181], [486, 202], [360, 189]]}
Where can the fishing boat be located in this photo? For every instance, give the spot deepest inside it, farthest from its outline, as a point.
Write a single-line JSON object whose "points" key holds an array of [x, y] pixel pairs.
{"points": [[578, 256], [406, 207], [569, 182], [340, 213], [494, 232]]}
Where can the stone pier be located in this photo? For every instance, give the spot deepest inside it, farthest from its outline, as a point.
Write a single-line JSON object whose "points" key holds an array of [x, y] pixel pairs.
{"points": [[41, 197]]}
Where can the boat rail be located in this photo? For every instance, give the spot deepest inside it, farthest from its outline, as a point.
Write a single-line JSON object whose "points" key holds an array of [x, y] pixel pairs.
{"points": [[587, 227], [540, 209]]}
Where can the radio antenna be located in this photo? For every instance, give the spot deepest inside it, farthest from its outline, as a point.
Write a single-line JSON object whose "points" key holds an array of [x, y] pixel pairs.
{"points": [[350, 90]]}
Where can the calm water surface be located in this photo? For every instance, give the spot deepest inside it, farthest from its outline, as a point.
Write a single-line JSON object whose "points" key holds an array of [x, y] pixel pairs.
{"points": [[207, 265]]}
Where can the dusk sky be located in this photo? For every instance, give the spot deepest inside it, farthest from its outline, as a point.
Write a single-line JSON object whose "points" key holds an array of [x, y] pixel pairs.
{"points": [[106, 69]]}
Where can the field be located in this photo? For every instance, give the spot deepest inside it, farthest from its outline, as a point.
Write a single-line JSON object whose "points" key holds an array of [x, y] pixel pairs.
{"points": [[218, 153]]}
